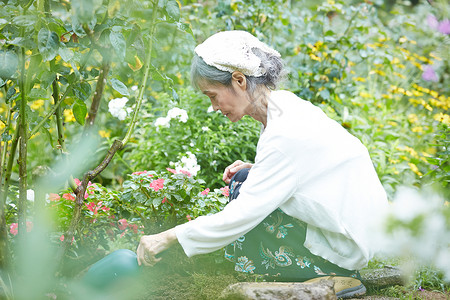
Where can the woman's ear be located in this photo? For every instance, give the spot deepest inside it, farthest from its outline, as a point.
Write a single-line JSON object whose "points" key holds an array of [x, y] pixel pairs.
{"points": [[239, 79]]}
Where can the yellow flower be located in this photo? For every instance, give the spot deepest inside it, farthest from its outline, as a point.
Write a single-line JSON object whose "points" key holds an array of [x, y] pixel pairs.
{"points": [[386, 96], [419, 66], [392, 123], [361, 79], [412, 118], [428, 107], [417, 129], [393, 161], [399, 75], [417, 93], [415, 169], [403, 39], [365, 94], [441, 117], [401, 66], [315, 57], [68, 116], [410, 150], [434, 56], [434, 94], [37, 104], [395, 60], [104, 133], [2, 125]]}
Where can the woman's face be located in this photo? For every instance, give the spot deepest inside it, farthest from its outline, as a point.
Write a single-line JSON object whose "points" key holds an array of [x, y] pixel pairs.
{"points": [[233, 101]]}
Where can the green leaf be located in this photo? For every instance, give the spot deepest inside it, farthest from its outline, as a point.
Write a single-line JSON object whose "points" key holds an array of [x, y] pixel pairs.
{"points": [[79, 111], [85, 10], [24, 20], [118, 42], [65, 53], [82, 90], [2, 82], [48, 44], [172, 8], [37, 93], [119, 86], [185, 28], [8, 64]]}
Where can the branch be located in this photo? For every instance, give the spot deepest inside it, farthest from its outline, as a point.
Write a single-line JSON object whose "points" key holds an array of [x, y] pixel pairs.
{"points": [[101, 81]]}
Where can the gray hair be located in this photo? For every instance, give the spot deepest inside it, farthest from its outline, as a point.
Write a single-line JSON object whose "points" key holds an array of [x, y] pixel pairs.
{"points": [[273, 65]]}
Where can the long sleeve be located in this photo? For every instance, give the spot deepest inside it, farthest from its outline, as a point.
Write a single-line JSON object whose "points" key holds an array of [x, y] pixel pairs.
{"points": [[270, 182]]}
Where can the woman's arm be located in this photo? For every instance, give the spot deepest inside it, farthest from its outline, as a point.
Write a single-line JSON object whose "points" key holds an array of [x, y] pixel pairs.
{"points": [[233, 169], [152, 245]]}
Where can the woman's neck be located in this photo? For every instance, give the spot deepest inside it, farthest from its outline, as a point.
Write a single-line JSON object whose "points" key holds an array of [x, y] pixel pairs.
{"points": [[258, 105]]}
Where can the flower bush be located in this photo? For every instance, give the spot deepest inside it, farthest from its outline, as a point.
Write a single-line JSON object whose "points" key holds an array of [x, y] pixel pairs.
{"points": [[164, 199]]}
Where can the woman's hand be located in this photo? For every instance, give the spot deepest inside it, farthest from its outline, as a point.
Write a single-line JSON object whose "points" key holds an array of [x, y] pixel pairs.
{"points": [[233, 169], [152, 245]]}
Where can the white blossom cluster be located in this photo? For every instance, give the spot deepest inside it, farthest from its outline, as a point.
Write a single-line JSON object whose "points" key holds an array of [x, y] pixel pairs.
{"points": [[173, 113], [117, 108], [428, 241], [188, 163]]}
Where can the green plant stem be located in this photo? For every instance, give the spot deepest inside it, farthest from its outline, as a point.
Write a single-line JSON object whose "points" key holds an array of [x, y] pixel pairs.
{"points": [[22, 210], [5, 144], [144, 81]]}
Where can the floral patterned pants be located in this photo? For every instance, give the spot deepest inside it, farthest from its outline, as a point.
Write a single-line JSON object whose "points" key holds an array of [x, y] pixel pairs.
{"points": [[275, 247]]}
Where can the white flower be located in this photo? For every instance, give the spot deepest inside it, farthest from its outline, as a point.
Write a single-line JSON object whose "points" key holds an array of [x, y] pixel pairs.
{"points": [[117, 108], [173, 113], [134, 87], [179, 113], [210, 109], [30, 195], [188, 163], [205, 128], [163, 122]]}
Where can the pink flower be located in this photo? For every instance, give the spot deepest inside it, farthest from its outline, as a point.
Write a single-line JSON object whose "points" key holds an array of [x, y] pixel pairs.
{"points": [[171, 170], [429, 74], [139, 173], [444, 27], [432, 22], [186, 173], [134, 228], [123, 233], [104, 208], [54, 197], [189, 217], [77, 181], [225, 191], [205, 192], [61, 238], [13, 228], [68, 196], [157, 184], [123, 224], [92, 207], [164, 200]]}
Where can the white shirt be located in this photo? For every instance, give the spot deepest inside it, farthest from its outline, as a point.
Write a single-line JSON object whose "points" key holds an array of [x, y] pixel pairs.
{"points": [[311, 168]]}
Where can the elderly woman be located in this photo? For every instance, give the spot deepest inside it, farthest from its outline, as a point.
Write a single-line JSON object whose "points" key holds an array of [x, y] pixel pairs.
{"points": [[302, 210]]}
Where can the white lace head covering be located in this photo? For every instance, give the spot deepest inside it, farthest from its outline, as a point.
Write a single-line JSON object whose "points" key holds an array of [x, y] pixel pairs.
{"points": [[232, 51]]}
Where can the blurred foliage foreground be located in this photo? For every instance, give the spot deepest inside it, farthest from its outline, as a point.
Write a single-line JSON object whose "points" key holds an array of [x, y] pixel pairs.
{"points": [[99, 90]]}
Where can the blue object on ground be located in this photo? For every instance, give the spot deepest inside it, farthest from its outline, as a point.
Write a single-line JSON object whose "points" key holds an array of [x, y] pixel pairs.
{"points": [[119, 265]]}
